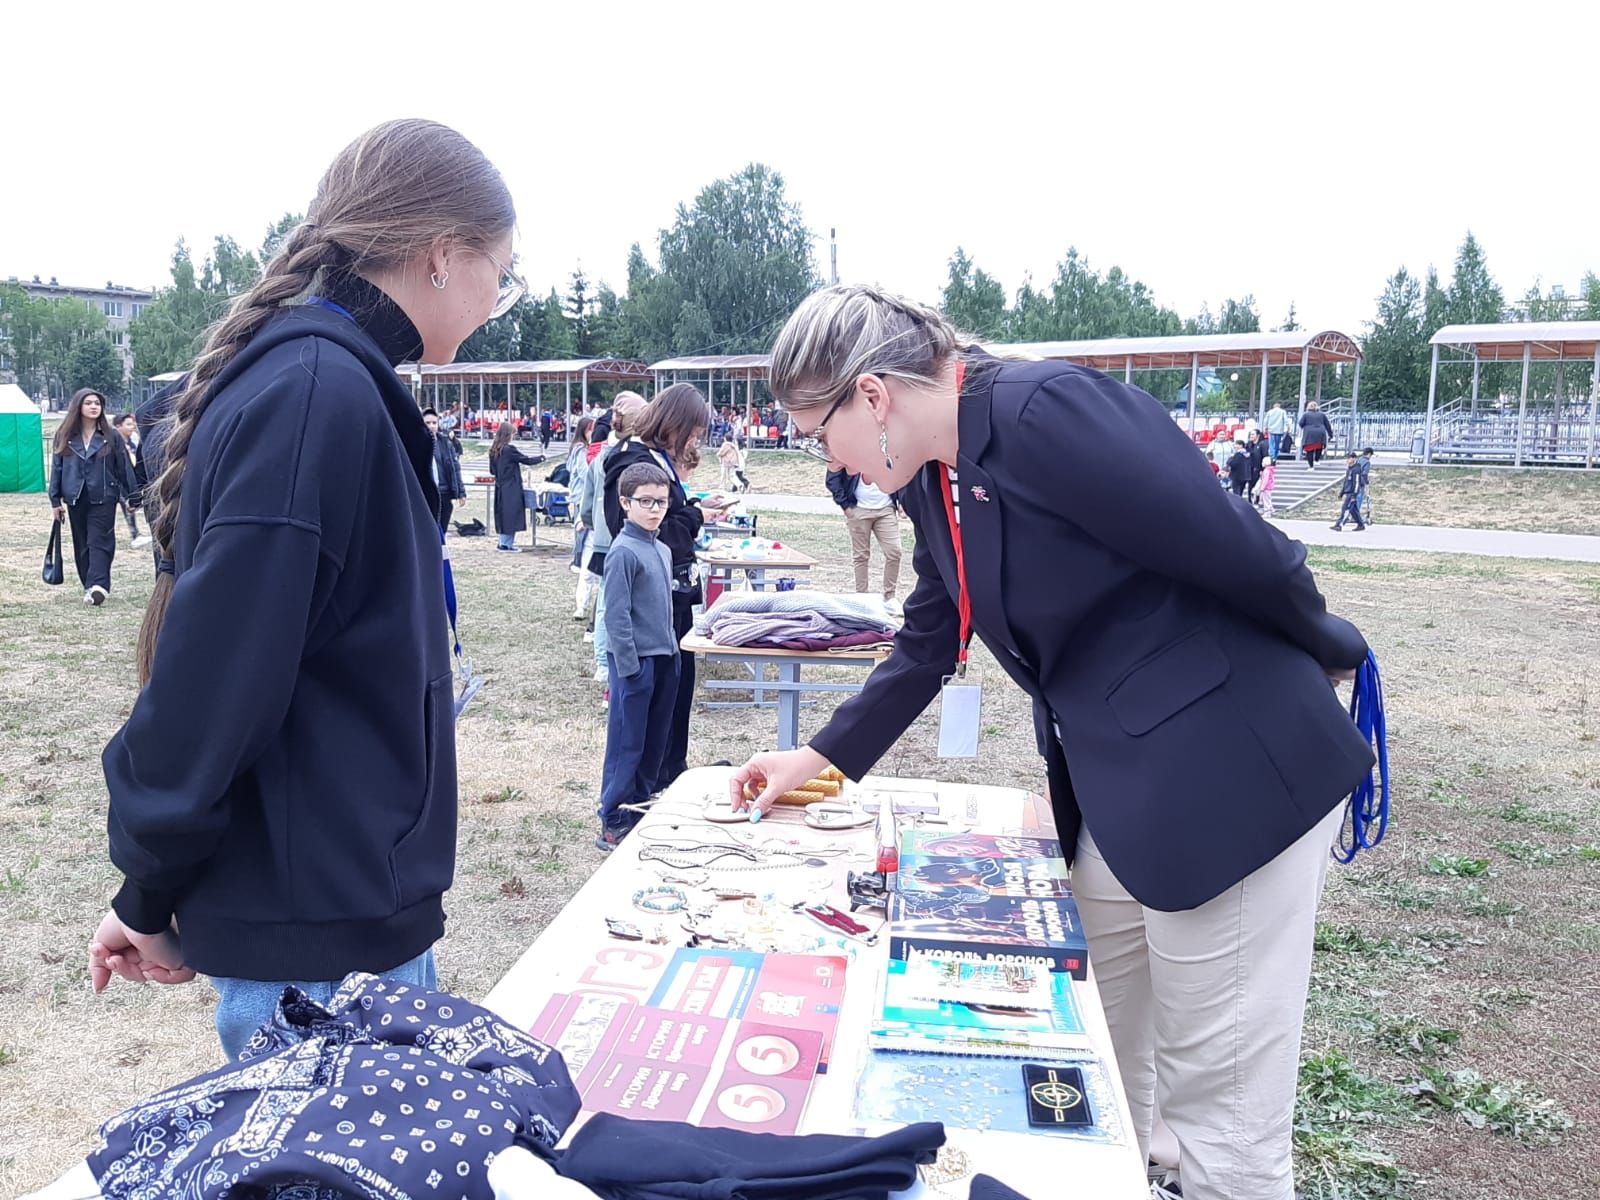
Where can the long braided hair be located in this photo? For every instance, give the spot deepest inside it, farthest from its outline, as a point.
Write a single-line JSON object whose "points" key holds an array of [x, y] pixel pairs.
{"points": [[392, 194]]}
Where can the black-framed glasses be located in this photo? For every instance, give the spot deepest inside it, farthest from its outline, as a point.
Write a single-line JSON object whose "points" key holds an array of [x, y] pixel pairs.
{"points": [[815, 443], [648, 503], [513, 287]]}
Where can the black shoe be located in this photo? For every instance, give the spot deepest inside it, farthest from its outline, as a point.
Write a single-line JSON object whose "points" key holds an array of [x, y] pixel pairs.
{"points": [[1340, 528], [722, 762]]}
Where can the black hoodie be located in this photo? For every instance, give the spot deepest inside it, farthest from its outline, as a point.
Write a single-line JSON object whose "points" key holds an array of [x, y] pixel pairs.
{"points": [[286, 784]]}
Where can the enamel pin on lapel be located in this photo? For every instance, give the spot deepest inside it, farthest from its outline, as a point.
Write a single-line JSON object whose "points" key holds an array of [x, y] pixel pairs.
{"points": [[979, 493]]}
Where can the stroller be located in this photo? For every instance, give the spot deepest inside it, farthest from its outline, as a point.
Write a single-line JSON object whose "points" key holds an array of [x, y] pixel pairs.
{"points": [[556, 508]]}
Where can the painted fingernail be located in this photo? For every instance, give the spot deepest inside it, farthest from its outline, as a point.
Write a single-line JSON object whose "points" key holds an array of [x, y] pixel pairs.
{"points": [[755, 815]]}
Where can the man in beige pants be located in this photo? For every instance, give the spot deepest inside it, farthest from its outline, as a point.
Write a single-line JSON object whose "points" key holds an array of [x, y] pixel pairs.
{"points": [[869, 514]]}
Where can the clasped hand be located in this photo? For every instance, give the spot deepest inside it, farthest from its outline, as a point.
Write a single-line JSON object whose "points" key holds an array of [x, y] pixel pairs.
{"points": [[136, 957]]}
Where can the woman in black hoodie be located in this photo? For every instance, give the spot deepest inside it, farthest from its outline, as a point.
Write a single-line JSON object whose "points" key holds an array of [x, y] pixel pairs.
{"points": [[283, 802], [90, 474]]}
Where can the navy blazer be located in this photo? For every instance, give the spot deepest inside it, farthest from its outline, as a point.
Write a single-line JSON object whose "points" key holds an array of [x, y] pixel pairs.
{"points": [[1150, 628]]}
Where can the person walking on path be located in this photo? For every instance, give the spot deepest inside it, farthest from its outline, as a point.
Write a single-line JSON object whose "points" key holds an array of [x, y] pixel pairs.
{"points": [[1278, 424], [510, 504], [90, 475], [1146, 632], [546, 429], [128, 426], [446, 471], [1315, 434], [869, 514], [642, 655], [1350, 494], [283, 794]]}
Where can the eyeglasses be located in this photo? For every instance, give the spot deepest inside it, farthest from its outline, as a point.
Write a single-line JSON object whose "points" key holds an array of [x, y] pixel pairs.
{"points": [[513, 287], [815, 443], [648, 503]]}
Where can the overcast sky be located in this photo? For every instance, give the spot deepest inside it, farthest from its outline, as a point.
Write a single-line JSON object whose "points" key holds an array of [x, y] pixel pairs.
{"points": [[1299, 152]]}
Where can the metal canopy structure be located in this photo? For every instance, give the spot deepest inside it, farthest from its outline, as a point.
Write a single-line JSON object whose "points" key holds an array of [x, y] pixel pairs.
{"points": [[732, 367], [1287, 348], [563, 371], [1527, 342]]}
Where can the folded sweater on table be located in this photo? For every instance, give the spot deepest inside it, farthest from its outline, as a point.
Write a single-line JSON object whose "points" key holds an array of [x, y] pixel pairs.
{"points": [[747, 618]]}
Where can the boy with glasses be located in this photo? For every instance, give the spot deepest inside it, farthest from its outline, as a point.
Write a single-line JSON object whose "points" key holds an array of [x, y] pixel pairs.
{"points": [[641, 652]]}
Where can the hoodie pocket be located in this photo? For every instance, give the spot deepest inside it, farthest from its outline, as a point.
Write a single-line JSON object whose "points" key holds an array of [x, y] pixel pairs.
{"points": [[423, 861]]}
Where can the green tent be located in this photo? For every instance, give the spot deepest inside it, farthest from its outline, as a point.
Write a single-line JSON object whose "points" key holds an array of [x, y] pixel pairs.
{"points": [[21, 442]]}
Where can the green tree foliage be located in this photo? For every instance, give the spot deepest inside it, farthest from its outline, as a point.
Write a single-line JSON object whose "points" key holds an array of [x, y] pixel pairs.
{"points": [[1474, 297], [1395, 373], [731, 267], [93, 362], [21, 336], [166, 335], [973, 299]]}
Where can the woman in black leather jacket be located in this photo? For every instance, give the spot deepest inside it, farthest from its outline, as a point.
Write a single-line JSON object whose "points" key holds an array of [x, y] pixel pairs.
{"points": [[90, 474]]}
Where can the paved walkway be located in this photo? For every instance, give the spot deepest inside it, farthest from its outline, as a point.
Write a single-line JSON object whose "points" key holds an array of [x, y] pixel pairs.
{"points": [[1569, 547]]}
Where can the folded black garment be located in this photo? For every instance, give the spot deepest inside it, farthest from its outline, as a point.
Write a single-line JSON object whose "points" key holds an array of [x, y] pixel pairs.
{"points": [[666, 1160], [987, 1187]]}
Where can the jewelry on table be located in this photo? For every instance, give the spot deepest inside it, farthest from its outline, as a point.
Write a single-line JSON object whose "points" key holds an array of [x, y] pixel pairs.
{"points": [[951, 1166], [660, 899]]}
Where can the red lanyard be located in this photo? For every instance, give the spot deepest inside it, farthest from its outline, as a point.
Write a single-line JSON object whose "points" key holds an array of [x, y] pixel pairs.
{"points": [[963, 600]]}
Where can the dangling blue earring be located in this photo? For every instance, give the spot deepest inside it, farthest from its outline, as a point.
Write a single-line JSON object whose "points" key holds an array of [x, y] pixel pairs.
{"points": [[883, 447]]}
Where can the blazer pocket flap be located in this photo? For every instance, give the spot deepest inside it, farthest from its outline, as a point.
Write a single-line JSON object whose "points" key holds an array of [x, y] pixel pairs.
{"points": [[1168, 683]]}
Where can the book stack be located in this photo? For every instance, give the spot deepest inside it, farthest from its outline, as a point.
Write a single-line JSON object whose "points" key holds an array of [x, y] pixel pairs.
{"points": [[979, 1026], [985, 899]]}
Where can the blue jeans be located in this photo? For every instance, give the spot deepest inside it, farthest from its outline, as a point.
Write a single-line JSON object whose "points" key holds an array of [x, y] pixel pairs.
{"points": [[508, 541], [244, 1005], [1274, 440], [638, 728], [578, 543]]}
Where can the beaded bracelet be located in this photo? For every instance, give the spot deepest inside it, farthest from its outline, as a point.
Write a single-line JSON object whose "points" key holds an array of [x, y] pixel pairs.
{"points": [[660, 899]]}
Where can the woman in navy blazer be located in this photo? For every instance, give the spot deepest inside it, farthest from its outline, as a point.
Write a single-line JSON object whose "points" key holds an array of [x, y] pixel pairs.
{"points": [[1198, 892]]}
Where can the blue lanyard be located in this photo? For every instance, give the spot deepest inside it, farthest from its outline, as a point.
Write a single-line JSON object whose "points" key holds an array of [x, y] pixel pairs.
{"points": [[1367, 816], [470, 683], [324, 302]]}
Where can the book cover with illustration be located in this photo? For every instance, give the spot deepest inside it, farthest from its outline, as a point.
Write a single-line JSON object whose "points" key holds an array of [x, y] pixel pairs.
{"points": [[996, 929], [937, 844], [976, 1008]]}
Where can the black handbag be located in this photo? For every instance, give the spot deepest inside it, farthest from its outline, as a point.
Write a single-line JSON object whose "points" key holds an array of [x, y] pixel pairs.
{"points": [[53, 572]]}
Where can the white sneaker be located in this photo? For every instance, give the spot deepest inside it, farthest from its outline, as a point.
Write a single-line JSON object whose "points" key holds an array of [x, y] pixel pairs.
{"points": [[140, 542], [97, 595], [88, 596]]}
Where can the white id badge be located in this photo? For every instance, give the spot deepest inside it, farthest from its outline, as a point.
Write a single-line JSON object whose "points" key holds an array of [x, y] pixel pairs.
{"points": [[960, 704]]}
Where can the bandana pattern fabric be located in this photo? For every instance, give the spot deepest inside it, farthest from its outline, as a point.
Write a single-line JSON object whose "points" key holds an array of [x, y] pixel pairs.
{"points": [[391, 1092]]}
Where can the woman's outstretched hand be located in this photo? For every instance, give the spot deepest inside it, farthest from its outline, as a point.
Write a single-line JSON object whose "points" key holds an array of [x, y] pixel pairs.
{"points": [[771, 774]]}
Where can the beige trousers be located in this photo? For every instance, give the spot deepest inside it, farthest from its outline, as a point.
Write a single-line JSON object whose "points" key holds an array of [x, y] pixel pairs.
{"points": [[866, 524], [1205, 1008]]}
